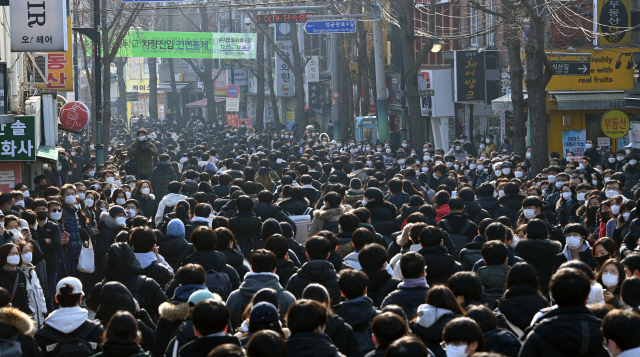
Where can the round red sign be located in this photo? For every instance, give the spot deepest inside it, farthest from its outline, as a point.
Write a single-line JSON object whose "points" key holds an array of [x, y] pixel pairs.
{"points": [[74, 115]]}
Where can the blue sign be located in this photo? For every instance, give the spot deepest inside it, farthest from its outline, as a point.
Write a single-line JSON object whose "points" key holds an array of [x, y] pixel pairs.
{"points": [[330, 26], [233, 90]]}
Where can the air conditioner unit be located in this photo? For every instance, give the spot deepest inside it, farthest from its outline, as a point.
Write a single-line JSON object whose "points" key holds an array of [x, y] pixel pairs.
{"points": [[41, 63], [566, 120]]}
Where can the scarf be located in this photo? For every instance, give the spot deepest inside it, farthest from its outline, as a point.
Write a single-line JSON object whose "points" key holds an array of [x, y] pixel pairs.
{"points": [[146, 259], [413, 283]]}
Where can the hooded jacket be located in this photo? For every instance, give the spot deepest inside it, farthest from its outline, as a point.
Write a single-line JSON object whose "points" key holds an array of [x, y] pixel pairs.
{"points": [[208, 259], [494, 276], [359, 314], [163, 174], [520, 303], [15, 322], [381, 284], [353, 196], [65, 323], [247, 228], [539, 253], [343, 336], [383, 217], [294, 206], [315, 271], [236, 260], [266, 210], [37, 301], [492, 205], [399, 199], [429, 325], [502, 341], [173, 246], [475, 212], [322, 216], [21, 297], [253, 282], [513, 204], [311, 344], [169, 200], [407, 298], [440, 264], [285, 268], [203, 345], [109, 229], [563, 332]]}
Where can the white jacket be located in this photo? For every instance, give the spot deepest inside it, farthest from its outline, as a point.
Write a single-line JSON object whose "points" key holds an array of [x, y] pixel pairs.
{"points": [[37, 302], [169, 200]]}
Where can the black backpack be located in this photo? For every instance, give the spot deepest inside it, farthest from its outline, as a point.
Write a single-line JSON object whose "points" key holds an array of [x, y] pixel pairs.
{"points": [[218, 283], [458, 237], [11, 347], [491, 296], [73, 345]]}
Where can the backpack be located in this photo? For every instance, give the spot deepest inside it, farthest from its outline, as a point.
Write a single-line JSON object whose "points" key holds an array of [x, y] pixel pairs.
{"points": [[218, 283], [75, 345], [131, 167], [331, 226], [11, 347], [459, 239], [410, 307], [491, 296]]}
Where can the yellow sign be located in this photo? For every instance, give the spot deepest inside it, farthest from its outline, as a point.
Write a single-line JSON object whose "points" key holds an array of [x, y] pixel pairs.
{"points": [[138, 86], [353, 71], [610, 70], [60, 67], [368, 26], [615, 124], [614, 22], [289, 112]]}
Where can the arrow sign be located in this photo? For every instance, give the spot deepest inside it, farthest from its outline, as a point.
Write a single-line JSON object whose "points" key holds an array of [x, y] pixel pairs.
{"points": [[572, 68], [330, 26]]}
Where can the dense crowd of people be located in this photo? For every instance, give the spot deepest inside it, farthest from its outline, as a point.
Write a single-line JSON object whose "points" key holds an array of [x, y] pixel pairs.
{"points": [[219, 241]]}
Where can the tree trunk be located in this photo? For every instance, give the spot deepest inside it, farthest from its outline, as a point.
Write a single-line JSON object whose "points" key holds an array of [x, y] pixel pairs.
{"points": [[260, 86], [363, 69], [153, 89], [298, 72], [106, 79], [372, 78], [344, 88], [272, 90], [122, 88], [175, 98], [350, 106], [207, 80], [516, 74]]}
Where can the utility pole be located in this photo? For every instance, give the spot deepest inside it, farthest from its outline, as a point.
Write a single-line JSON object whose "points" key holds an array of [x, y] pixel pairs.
{"points": [[381, 85], [335, 83]]}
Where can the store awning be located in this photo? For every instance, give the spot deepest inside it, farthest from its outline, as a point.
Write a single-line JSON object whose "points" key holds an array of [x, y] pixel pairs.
{"points": [[166, 87], [632, 100], [47, 152], [589, 101], [202, 103], [504, 103]]}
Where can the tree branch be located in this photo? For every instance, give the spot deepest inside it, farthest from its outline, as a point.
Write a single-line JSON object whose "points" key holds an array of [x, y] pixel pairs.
{"points": [[284, 56], [485, 9], [415, 66], [113, 51]]}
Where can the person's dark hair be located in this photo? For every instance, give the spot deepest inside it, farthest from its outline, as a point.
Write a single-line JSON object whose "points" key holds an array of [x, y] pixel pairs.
{"points": [[412, 265], [395, 186], [522, 273], [306, 316], [484, 317], [142, 239], [277, 244], [363, 214], [575, 228], [456, 203], [266, 343], [569, 287], [532, 201], [632, 262], [431, 236], [463, 329], [219, 221], [244, 203], [348, 222], [333, 199], [202, 210], [580, 265], [352, 283], [537, 229], [388, 327], [623, 327], [122, 327], [263, 261], [361, 237], [316, 292], [224, 238], [174, 187], [203, 238], [318, 248], [466, 284], [486, 189], [189, 274], [265, 196], [496, 231], [630, 292], [442, 198], [372, 257], [210, 317], [407, 347], [494, 252], [5, 297], [441, 296]]}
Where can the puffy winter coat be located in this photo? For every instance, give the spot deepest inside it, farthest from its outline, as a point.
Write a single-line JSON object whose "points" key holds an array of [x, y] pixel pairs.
{"points": [[37, 302]]}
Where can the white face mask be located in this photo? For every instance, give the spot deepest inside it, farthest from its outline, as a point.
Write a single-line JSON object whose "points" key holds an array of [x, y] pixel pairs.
{"points": [[369, 163], [111, 179], [609, 280], [487, 140], [117, 182], [70, 200], [620, 158], [458, 148], [506, 171], [588, 146], [27, 258], [89, 202], [434, 176], [121, 221], [388, 151], [133, 185], [120, 201], [551, 178], [581, 166], [26, 193], [566, 195], [500, 193], [449, 163], [611, 160], [128, 194], [611, 193], [574, 242], [132, 212], [364, 202], [145, 191], [594, 182], [13, 260], [559, 184], [142, 138], [628, 151], [424, 169], [626, 215], [55, 215], [498, 172], [519, 174], [401, 162], [456, 167], [615, 209], [581, 196], [529, 213], [482, 146], [528, 155], [456, 351], [633, 162], [20, 203]]}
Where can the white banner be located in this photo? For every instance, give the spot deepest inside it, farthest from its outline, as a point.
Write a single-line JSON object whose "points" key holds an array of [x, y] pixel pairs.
{"points": [[313, 70], [233, 104], [635, 135], [284, 75], [38, 25], [252, 103]]}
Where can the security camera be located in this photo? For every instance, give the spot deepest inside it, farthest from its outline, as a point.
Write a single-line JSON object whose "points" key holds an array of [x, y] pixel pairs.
{"points": [[247, 21]]}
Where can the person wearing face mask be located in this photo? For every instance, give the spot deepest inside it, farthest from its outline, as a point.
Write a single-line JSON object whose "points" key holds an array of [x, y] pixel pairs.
{"points": [[592, 152], [604, 249], [491, 147], [11, 260], [143, 194], [631, 169], [576, 247], [71, 224], [143, 151], [462, 337], [36, 298], [111, 223], [506, 145], [610, 276], [49, 239], [587, 165], [457, 151]]}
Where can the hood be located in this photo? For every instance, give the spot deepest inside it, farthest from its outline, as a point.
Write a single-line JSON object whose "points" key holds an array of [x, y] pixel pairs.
{"points": [[191, 185], [172, 246], [120, 263], [183, 292], [108, 221], [580, 331], [331, 214], [358, 313], [352, 259], [541, 248], [355, 192], [256, 281], [494, 276], [175, 228], [520, 303], [440, 258], [512, 201], [114, 297], [317, 270], [172, 199], [67, 319], [234, 257], [488, 203], [472, 209], [209, 259], [428, 315], [174, 311], [336, 260], [17, 319], [163, 165], [384, 211]]}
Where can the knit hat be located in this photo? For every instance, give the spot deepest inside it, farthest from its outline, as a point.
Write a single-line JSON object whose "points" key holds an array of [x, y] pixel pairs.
{"points": [[263, 315], [175, 228], [116, 210], [270, 227], [202, 295]]}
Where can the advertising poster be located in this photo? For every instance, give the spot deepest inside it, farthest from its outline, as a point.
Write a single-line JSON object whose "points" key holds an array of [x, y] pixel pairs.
{"points": [[574, 141]]}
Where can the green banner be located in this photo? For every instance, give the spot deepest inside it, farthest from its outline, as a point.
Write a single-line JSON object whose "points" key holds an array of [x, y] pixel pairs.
{"points": [[18, 140], [189, 45]]}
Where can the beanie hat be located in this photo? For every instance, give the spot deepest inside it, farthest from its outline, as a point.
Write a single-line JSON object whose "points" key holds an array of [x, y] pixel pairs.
{"points": [[176, 228], [115, 210]]}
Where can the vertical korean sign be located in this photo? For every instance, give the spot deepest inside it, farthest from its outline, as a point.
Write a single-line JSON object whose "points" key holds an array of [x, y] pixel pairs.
{"points": [[60, 67], [18, 140], [469, 77], [284, 74], [10, 175], [574, 141], [614, 22], [38, 25], [635, 135]]}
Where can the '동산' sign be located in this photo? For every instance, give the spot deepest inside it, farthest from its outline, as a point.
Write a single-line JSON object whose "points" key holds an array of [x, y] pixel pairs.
{"points": [[38, 25], [189, 45]]}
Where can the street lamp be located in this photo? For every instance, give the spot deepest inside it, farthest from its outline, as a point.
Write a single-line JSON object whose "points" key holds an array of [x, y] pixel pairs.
{"points": [[437, 45]]}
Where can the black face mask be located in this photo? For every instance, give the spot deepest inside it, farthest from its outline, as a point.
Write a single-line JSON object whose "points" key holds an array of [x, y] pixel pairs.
{"points": [[593, 210], [605, 216], [602, 259], [43, 215]]}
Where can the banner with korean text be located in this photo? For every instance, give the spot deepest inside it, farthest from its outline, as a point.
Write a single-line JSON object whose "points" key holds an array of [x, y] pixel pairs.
{"points": [[574, 141]]}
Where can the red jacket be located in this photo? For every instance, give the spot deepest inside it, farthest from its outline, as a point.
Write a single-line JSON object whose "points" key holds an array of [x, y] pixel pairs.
{"points": [[441, 212]]}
